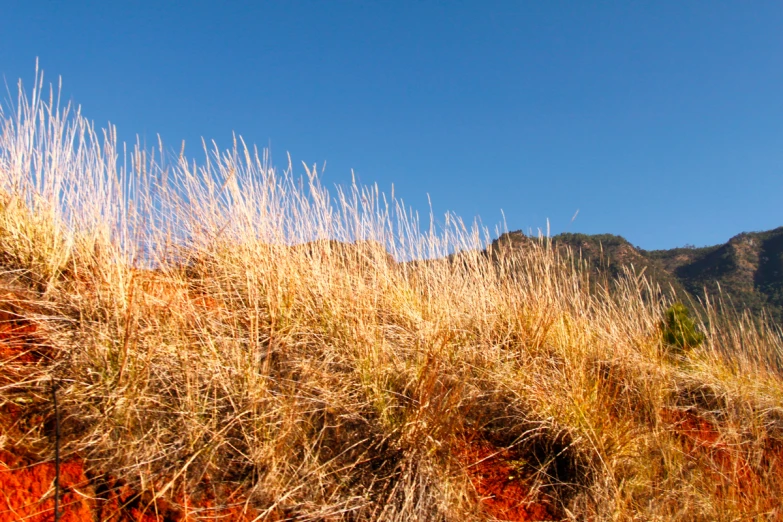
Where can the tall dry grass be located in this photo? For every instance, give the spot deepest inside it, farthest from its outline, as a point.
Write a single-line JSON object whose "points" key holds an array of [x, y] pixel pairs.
{"points": [[325, 355]]}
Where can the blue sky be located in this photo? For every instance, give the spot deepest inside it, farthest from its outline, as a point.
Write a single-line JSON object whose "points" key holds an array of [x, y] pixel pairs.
{"points": [[659, 121]]}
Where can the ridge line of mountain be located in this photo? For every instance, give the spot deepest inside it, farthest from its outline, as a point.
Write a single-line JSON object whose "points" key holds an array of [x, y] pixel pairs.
{"points": [[748, 268]]}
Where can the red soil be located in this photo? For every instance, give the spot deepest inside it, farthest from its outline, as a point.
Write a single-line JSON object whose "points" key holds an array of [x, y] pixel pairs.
{"points": [[20, 353], [28, 494], [119, 503], [27, 490], [727, 465], [502, 483]]}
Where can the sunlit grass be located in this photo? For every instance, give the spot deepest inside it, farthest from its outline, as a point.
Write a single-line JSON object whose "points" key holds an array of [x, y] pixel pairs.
{"points": [[219, 320]]}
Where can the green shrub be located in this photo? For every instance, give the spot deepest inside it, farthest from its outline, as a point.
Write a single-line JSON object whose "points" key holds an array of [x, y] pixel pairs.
{"points": [[680, 333]]}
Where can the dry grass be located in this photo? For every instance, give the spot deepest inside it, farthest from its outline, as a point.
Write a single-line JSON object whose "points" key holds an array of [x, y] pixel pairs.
{"points": [[205, 330]]}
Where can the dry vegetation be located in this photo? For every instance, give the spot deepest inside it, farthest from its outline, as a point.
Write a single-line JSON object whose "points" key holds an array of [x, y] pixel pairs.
{"points": [[208, 340]]}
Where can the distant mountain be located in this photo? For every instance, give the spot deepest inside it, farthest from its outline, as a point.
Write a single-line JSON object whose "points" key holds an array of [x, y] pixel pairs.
{"points": [[748, 268]]}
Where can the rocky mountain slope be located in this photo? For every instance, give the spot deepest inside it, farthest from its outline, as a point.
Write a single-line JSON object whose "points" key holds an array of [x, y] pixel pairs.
{"points": [[748, 269]]}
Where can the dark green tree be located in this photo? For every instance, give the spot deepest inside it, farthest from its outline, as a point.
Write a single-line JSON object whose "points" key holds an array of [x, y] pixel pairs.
{"points": [[680, 332]]}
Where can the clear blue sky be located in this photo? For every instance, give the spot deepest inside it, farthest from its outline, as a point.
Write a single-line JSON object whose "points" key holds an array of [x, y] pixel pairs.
{"points": [[659, 121]]}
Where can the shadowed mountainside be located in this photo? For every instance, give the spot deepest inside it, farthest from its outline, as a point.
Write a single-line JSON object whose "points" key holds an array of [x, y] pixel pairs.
{"points": [[748, 269]]}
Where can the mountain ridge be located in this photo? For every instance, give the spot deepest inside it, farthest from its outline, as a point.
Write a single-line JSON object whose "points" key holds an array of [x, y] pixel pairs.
{"points": [[747, 269]]}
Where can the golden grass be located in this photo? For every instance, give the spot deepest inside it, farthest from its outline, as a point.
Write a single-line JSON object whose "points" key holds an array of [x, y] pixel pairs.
{"points": [[204, 326]]}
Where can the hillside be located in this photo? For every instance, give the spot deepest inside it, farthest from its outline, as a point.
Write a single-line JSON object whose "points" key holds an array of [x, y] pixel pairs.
{"points": [[747, 270], [229, 342]]}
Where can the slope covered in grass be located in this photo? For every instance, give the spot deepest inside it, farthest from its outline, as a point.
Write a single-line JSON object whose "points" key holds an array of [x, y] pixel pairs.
{"points": [[228, 340]]}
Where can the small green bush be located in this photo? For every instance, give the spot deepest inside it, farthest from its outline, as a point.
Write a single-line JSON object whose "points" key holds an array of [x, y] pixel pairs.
{"points": [[680, 333]]}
